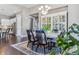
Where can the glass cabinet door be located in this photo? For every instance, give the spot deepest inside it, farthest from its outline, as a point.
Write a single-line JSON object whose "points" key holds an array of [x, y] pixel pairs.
{"points": [[54, 22], [46, 23], [59, 23]]}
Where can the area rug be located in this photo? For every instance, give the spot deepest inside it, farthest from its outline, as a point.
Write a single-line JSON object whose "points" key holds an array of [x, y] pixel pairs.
{"points": [[22, 47]]}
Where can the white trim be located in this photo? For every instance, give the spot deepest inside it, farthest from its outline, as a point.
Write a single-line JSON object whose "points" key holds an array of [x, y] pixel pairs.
{"points": [[23, 35], [54, 14]]}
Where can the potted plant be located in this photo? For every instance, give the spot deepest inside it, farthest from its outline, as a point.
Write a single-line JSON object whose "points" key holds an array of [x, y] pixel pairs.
{"points": [[67, 42]]}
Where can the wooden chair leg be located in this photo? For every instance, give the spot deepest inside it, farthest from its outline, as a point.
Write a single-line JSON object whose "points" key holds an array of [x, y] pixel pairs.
{"points": [[44, 50], [28, 44], [5, 38], [37, 47], [32, 45], [1, 41]]}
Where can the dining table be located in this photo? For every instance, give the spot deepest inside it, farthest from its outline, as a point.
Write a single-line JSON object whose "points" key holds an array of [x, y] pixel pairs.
{"points": [[52, 36]]}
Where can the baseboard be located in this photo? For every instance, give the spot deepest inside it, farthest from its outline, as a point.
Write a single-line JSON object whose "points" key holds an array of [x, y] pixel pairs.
{"points": [[23, 35]]}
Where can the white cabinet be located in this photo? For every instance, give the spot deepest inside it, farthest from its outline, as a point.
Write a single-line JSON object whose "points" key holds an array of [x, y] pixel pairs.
{"points": [[54, 22]]}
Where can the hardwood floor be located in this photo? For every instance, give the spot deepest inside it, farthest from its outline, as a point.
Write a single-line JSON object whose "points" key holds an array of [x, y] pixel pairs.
{"points": [[6, 49]]}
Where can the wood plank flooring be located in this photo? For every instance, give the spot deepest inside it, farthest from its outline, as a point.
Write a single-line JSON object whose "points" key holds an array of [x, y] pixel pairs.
{"points": [[5, 48]]}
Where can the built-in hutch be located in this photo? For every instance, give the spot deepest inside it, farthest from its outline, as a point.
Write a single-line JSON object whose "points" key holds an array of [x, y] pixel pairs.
{"points": [[54, 22]]}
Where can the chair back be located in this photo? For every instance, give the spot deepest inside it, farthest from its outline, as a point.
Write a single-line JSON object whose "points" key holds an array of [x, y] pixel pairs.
{"points": [[33, 35], [62, 33], [41, 37], [8, 30], [2, 33], [30, 36]]}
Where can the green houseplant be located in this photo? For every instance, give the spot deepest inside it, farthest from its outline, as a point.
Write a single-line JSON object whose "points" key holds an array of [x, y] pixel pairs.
{"points": [[74, 28], [46, 28], [67, 42]]}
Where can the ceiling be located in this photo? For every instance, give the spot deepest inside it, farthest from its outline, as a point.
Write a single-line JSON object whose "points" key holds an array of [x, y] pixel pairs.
{"points": [[8, 10], [27, 5], [11, 9]]}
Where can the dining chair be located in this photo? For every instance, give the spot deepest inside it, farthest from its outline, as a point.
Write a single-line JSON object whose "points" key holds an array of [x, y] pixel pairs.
{"points": [[31, 38], [52, 42], [42, 40], [62, 33], [2, 35], [9, 34]]}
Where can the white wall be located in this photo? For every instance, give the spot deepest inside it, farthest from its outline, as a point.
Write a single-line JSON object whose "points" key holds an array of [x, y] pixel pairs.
{"points": [[73, 14], [25, 21], [25, 25]]}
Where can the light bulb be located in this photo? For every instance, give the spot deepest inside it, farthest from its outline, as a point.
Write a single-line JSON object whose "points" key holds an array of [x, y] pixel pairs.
{"points": [[46, 6], [44, 12], [44, 9], [39, 9]]}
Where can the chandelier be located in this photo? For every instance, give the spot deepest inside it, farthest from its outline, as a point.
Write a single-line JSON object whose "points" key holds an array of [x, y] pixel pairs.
{"points": [[44, 9]]}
